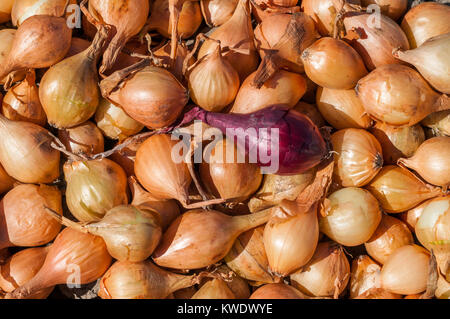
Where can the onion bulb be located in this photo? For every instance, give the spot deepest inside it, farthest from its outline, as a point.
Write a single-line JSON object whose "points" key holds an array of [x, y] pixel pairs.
{"points": [[405, 272], [391, 234], [114, 122], [277, 291], [443, 288], [6, 40], [200, 238], [398, 190], [394, 9], [6, 182], [23, 9], [432, 161], [350, 216], [326, 274], [21, 267], [398, 142], [127, 155], [94, 187], [23, 218], [359, 157], [5, 10], [365, 275], [214, 289], [82, 139], [342, 108], [176, 68], [334, 64], [238, 286], [26, 153], [399, 96], [73, 257], [217, 12], [310, 111], [439, 122], [424, 21]]}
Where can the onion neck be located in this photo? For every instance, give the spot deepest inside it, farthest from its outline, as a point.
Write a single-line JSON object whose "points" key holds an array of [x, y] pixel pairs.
{"points": [[247, 222], [94, 51], [177, 282]]}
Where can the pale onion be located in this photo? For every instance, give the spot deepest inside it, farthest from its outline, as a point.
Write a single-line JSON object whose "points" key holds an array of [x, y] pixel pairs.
{"points": [[350, 216], [406, 270], [214, 289], [365, 275], [326, 274], [394, 9], [5, 10], [342, 108], [333, 64], [439, 122], [6, 181], [391, 234], [277, 291], [310, 111], [85, 138], [6, 40], [399, 96], [114, 122], [425, 21], [23, 9], [217, 12]]}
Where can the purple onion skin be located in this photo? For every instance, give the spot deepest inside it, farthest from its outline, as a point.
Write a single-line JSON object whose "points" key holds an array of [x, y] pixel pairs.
{"points": [[300, 144]]}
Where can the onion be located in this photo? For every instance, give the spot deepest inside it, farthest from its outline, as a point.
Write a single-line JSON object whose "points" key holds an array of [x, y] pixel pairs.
{"points": [[425, 21], [200, 238], [82, 139], [6, 182], [77, 45], [238, 286], [443, 288], [213, 82], [282, 88], [176, 68], [127, 17], [275, 3], [398, 142], [398, 190], [365, 275], [141, 280], [184, 293], [277, 291], [39, 42], [6, 40], [217, 12], [236, 33], [359, 157], [375, 43], [26, 153], [5, 10], [405, 272], [214, 289], [342, 108], [350, 217], [94, 187], [432, 161], [334, 64], [114, 122], [399, 96], [23, 9], [22, 103], [310, 111], [69, 90], [439, 122], [394, 9], [229, 179], [290, 237], [71, 248], [389, 236], [21, 267], [378, 293], [326, 274], [127, 155], [411, 216], [24, 220]]}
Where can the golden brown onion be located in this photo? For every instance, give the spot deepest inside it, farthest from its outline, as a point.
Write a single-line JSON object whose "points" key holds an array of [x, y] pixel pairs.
{"points": [[23, 9], [365, 275], [6, 181], [277, 291], [217, 12], [5, 10], [238, 286], [214, 289], [439, 122], [82, 139], [6, 40], [175, 68], [127, 155]]}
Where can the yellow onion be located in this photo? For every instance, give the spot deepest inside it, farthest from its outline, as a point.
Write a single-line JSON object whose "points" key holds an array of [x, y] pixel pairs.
{"points": [[213, 82], [126, 58], [391, 234], [85, 138], [238, 286], [411, 216], [6, 40], [24, 220], [439, 122], [176, 68], [236, 33], [277, 291], [431, 59], [73, 257], [425, 21], [342, 108], [248, 257], [365, 275], [326, 274], [333, 64], [214, 289], [398, 190], [21, 103], [23, 9], [405, 272], [94, 187], [398, 142], [375, 43], [282, 88], [432, 161], [6, 182], [310, 111], [394, 9], [21, 267], [359, 157], [5, 10], [127, 155], [290, 237], [26, 153], [350, 216], [399, 96], [217, 12], [443, 288], [114, 122], [225, 176]]}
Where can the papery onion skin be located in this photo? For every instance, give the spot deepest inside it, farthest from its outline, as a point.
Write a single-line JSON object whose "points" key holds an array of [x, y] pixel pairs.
{"points": [[351, 216], [439, 122], [23, 9], [85, 139], [176, 68], [238, 286], [126, 157], [6, 181], [365, 275], [394, 9], [342, 108], [443, 288], [277, 291], [334, 64], [5, 10], [217, 12], [359, 157], [425, 21], [391, 234], [398, 190]]}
